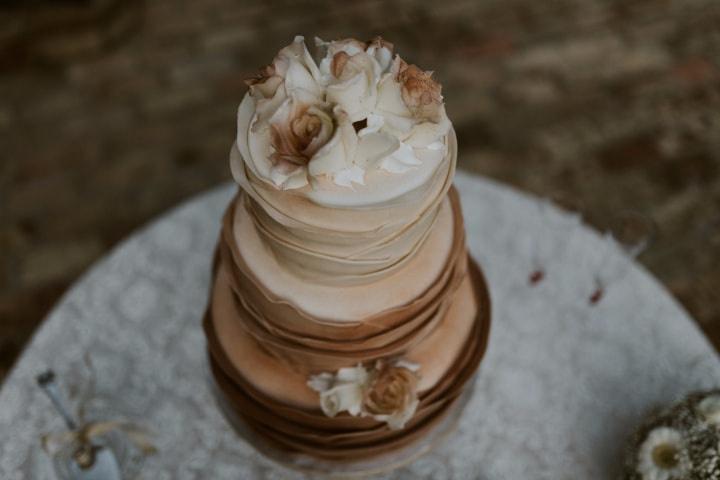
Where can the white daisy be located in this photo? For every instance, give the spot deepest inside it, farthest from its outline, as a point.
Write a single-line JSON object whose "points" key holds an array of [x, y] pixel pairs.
{"points": [[662, 455]]}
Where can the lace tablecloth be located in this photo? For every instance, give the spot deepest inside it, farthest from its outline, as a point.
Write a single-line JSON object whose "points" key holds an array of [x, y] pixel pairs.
{"points": [[563, 384]]}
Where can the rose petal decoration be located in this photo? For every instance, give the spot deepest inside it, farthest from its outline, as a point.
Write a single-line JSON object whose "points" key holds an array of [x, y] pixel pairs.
{"points": [[392, 396], [298, 131]]}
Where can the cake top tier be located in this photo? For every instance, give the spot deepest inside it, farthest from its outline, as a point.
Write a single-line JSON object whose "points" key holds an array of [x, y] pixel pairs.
{"points": [[353, 126]]}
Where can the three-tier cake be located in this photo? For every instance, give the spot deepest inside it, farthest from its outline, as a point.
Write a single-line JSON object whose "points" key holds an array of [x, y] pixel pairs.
{"points": [[345, 317]]}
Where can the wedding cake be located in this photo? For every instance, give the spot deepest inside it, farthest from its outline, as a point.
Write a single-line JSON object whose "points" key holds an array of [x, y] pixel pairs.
{"points": [[345, 318]]}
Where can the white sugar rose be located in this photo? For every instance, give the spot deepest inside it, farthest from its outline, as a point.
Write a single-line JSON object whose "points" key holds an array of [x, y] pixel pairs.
{"points": [[342, 391], [352, 70], [297, 131], [332, 158], [410, 109], [411, 105], [284, 120]]}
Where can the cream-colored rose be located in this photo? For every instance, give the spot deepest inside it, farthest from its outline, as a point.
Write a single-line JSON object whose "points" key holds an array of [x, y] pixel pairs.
{"points": [[419, 91], [283, 120], [342, 392], [392, 395], [342, 398], [337, 154], [354, 85], [302, 76], [411, 105], [351, 70], [293, 71]]}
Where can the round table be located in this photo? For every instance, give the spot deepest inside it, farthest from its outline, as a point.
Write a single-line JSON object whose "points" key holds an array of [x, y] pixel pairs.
{"points": [[562, 386]]}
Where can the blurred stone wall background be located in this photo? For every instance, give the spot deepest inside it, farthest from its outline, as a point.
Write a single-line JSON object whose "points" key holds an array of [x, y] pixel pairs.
{"points": [[112, 111]]}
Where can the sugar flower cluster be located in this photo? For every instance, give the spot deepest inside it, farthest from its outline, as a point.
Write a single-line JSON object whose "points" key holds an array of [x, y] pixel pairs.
{"points": [[387, 391], [354, 107]]}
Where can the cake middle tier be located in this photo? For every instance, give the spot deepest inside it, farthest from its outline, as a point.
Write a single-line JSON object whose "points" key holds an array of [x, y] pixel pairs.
{"points": [[360, 243], [317, 309], [316, 327]]}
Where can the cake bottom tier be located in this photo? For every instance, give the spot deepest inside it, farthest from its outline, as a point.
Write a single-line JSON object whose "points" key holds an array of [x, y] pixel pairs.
{"points": [[384, 460], [305, 438]]}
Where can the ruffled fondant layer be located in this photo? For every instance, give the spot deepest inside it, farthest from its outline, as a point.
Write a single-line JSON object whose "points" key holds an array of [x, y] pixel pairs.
{"points": [[305, 429], [302, 287], [353, 244], [311, 344]]}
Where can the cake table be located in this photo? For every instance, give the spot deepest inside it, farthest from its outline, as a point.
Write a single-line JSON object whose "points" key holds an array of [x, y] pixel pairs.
{"points": [[563, 384]]}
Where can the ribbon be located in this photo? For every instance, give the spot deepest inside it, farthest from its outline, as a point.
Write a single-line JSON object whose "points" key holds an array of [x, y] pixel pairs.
{"points": [[52, 443]]}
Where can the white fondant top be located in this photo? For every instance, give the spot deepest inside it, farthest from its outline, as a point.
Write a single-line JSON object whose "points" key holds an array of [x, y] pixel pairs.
{"points": [[357, 127]]}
